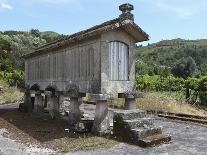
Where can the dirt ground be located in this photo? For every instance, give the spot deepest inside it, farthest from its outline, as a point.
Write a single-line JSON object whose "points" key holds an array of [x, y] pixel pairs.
{"points": [[44, 132], [42, 135]]}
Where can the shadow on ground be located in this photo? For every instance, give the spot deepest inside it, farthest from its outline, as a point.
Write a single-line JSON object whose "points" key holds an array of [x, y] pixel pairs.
{"points": [[46, 132]]}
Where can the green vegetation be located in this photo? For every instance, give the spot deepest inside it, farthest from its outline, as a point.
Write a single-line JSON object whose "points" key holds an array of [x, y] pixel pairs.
{"points": [[13, 44], [192, 90], [161, 57], [175, 66]]}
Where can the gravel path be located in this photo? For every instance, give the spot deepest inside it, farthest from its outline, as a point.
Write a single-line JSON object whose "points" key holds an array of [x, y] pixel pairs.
{"points": [[10, 147], [8, 107]]}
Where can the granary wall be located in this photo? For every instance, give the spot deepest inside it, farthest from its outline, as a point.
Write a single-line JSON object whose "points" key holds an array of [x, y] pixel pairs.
{"points": [[109, 86], [73, 65]]}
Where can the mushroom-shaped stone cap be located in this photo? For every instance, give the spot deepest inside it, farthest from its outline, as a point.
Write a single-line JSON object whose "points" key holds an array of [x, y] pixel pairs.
{"points": [[126, 8]]}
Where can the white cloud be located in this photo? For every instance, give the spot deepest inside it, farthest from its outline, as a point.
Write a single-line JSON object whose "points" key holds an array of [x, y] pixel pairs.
{"points": [[72, 5], [180, 11], [5, 5], [180, 8], [56, 2]]}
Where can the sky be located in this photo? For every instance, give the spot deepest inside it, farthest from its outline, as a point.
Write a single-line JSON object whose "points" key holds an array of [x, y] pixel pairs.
{"points": [[161, 19]]}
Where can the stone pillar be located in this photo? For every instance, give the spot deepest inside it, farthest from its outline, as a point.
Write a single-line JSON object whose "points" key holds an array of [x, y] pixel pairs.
{"points": [[61, 104], [38, 104], [101, 121], [130, 103], [27, 101], [52, 105], [74, 113]]}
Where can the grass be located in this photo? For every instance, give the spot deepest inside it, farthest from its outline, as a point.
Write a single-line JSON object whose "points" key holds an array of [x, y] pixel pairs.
{"points": [[9, 94], [85, 143], [162, 102], [165, 103]]}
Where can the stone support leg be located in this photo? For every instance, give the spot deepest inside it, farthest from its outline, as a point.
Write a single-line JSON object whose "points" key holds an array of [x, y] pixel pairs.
{"points": [[130, 103], [101, 122], [74, 113], [61, 104], [52, 105], [38, 104], [27, 101]]}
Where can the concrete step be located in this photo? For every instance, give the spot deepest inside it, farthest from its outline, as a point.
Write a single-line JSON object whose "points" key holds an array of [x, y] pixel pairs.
{"points": [[154, 140], [140, 122], [130, 114], [143, 132]]}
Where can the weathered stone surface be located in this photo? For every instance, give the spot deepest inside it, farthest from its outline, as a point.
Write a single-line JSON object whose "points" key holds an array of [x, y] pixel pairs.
{"points": [[27, 102], [132, 126], [53, 106], [64, 106], [142, 132], [74, 115], [130, 114], [154, 140], [38, 104], [140, 122], [101, 123], [130, 103]]}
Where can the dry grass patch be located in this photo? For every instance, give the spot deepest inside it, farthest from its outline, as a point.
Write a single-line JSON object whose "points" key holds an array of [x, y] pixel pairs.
{"points": [[9, 94], [158, 102], [84, 143]]}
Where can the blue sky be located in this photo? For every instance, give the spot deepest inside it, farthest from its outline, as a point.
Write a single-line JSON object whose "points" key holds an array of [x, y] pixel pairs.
{"points": [[161, 19]]}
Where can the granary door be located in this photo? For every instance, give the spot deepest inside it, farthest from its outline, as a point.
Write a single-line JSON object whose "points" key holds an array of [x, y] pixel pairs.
{"points": [[119, 61]]}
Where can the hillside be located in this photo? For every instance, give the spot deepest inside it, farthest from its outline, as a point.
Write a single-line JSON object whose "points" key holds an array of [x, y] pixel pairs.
{"points": [[167, 52], [15, 43]]}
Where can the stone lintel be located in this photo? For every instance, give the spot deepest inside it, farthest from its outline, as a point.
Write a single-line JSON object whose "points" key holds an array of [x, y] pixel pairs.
{"points": [[38, 92], [132, 95], [100, 97], [48, 93], [79, 95]]}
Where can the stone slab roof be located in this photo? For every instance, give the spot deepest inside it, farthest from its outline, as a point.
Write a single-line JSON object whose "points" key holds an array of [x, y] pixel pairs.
{"points": [[128, 25]]}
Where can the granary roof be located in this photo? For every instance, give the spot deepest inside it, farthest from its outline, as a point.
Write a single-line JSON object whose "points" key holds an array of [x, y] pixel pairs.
{"points": [[126, 23]]}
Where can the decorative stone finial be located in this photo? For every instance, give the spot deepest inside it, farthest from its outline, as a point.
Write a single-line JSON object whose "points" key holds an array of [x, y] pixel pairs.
{"points": [[126, 8], [126, 11]]}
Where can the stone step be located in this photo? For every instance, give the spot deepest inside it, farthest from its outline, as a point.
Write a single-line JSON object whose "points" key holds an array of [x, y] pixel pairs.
{"points": [[154, 140], [140, 122], [143, 132], [130, 114]]}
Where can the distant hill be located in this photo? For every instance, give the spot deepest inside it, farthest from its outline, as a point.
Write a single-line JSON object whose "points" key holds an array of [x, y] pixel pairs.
{"points": [[167, 52]]}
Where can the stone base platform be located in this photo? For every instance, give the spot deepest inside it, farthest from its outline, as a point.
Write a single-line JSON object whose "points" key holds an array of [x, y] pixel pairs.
{"points": [[135, 127]]}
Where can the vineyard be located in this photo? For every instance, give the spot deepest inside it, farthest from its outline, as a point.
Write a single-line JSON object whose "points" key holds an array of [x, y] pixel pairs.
{"points": [[191, 90]]}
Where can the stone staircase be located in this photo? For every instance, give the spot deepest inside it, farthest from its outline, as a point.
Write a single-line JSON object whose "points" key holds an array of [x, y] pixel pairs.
{"points": [[135, 127]]}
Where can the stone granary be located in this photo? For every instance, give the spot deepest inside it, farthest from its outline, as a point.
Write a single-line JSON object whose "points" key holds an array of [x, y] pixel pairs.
{"points": [[98, 62]]}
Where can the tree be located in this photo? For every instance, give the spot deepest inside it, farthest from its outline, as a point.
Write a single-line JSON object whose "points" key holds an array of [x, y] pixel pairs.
{"points": [[185, 67], [35, 32]]}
